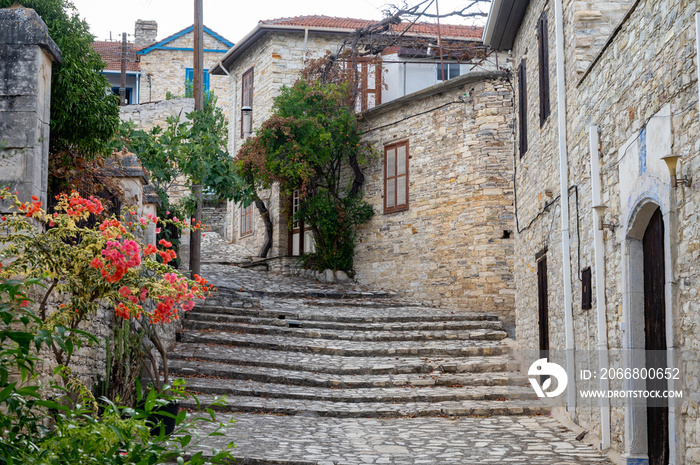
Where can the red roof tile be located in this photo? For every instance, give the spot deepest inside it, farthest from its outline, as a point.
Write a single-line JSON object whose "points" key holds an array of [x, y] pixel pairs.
{"points": [[111, 53], [447, 30]]}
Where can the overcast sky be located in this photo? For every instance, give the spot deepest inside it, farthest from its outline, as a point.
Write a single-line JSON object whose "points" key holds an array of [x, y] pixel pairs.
{"points": [[231, 19]]}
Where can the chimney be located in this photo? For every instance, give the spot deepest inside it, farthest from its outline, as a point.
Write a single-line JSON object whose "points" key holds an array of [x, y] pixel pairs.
{"points": [[145, 33]]}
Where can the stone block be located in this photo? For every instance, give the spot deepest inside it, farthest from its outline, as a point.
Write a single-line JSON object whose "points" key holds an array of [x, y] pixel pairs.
{"points": [[26, 56]]}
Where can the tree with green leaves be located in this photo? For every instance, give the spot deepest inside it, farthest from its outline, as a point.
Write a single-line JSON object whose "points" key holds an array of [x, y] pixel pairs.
{"points": [[192, 150], [312, 144]]}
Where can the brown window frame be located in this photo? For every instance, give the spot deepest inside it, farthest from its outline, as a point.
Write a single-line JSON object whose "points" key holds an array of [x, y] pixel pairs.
{"points": [[522, 107], [365, 64], [247, 90], [543, 54], [246, 220], [396, 207]]}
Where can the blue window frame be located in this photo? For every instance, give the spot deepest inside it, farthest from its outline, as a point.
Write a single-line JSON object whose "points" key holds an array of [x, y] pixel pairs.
{"points": [[189, 77]]}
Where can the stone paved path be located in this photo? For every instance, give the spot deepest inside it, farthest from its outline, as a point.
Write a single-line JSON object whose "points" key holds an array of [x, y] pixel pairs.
{"points": [[336, 374]]}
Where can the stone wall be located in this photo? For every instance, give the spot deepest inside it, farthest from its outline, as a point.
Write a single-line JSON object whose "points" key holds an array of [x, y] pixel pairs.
{"points": [[214, 215], [26, 56], [641, 92], [453, 246]]}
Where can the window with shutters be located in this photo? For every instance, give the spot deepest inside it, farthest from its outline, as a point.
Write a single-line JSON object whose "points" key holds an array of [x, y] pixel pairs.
{"points": [[247, 94], [586, 289], [396, 177], [189, 81], [246, 220], [543, 49], [370, 83], [522, 108]]}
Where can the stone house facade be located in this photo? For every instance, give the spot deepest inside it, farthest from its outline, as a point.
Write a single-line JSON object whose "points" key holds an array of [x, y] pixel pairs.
{"points": [[449, 242], [156, 69], [271, 56], [604, 92]]}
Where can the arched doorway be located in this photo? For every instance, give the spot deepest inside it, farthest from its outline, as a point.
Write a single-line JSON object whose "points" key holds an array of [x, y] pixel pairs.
{"points": [[655, 337], [647, 303]]}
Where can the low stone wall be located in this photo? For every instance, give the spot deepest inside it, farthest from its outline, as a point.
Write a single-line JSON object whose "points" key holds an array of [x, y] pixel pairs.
{"points": [[149, 115]]}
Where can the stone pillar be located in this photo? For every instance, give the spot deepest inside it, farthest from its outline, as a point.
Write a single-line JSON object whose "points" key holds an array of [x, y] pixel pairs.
{"points": [[26, 56], [145, 33]]}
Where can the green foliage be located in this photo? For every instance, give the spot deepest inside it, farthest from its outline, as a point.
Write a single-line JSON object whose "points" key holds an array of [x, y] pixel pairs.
{"points": [[310, 144], [194, 148], [84, 117], [36, 430], [89, 265]]}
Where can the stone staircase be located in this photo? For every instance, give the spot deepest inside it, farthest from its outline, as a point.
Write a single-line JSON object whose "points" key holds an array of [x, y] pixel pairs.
{"points": [[348, 355]]}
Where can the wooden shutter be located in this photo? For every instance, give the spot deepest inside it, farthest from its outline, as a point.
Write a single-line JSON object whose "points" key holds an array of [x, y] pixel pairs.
{"points": [[370, 85], [246, 220], [522, 107], [542, 302], [247, 95], [586, 289], [543, 49], [396, 177]]}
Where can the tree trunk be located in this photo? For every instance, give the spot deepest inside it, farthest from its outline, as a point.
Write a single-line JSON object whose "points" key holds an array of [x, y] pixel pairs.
{"points": [[265, 215]]}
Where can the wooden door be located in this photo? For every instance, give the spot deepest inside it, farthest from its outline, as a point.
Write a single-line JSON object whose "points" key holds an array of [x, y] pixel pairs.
{"points": [[655, 337], [542, 304]]}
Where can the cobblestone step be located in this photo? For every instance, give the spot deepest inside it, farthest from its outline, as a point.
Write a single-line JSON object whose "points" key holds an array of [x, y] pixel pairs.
{"points": [[463, 348], [371, 410], [339, 365], [205, 316], [308, 311], [192, 368], [354, 335], [232, 387]]}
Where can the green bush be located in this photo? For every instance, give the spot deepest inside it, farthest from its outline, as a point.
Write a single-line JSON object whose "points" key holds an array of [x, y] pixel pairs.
{"points": [[59, 431]]}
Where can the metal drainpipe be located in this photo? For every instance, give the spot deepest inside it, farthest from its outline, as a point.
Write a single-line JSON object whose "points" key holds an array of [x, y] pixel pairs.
{"points": [[306, 41], [601, 320], [564, 187], [232, 136], [697, 47]]}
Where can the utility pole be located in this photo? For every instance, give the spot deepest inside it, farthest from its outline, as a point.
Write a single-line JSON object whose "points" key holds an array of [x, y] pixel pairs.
{"points": [[198, 91], [122, 81]]}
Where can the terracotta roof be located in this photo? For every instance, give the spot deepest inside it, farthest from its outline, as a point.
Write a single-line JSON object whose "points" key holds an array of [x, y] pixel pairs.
{"points": [[111, 53], [447, 30]]}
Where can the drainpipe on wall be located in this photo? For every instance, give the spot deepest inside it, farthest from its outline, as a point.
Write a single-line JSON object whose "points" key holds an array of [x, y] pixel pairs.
{"points": [[137, 98], [232, 138], [564, 186], [306, 41], [601, 320], [697, 47]]}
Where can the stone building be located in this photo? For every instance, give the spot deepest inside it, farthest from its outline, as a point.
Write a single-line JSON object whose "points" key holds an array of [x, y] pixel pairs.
{"points": [[156, 69], [111, 53], [273, 54], [446, 237], [606, 94]]}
